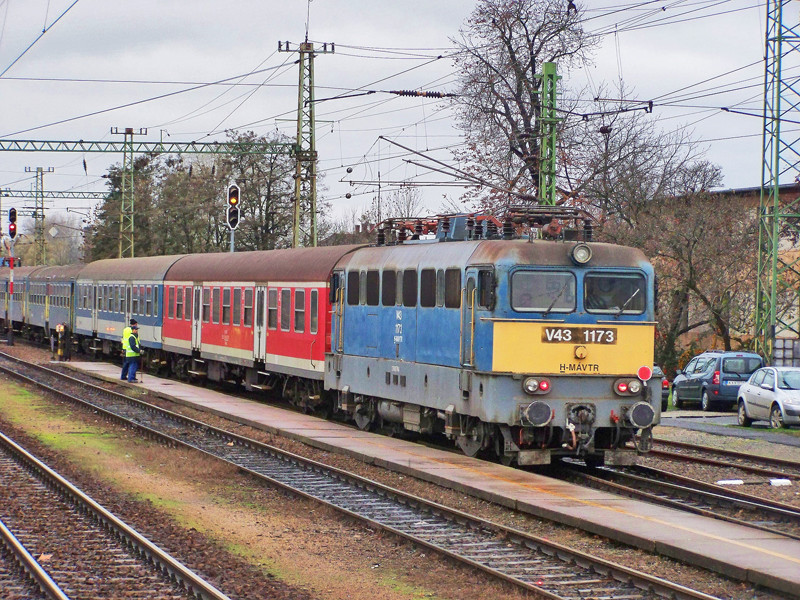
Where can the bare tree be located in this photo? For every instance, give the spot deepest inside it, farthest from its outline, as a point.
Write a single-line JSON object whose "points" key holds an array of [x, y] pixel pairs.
{"points": [[502, 47]]}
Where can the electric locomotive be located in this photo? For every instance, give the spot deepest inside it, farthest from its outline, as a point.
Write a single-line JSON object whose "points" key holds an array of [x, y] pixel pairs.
{"points": [[527, 349]]}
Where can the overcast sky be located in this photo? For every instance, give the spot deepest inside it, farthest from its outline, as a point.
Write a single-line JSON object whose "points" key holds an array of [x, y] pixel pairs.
{"points": [[657, 47]]}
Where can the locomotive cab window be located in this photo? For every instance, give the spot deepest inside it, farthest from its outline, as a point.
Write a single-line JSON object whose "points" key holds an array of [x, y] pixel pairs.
{"points": [[614, 293], [486, 288], [543, 291]]}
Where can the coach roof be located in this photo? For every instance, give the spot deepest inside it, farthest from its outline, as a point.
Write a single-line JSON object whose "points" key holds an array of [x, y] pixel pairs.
{"points": [[291, 264], [147, 268]]}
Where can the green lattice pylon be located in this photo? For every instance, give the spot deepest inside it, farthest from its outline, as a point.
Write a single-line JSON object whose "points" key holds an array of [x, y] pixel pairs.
{"points": [[776, 301], [548, 120]]}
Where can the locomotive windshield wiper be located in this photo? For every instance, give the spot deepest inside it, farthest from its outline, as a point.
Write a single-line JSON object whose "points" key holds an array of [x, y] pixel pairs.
{"points": [[628, 301], [556, 299]]}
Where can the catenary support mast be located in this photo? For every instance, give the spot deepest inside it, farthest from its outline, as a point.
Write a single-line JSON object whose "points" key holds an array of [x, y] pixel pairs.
{"points": [[305, 178], [778, 276]]}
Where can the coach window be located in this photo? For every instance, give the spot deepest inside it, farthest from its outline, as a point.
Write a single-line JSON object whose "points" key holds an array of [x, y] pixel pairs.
{"points": [[149, 301], [427, 288], [389, 288], [106, 299], [248, 307], [410, 287], [314, 309], [169, 300], [117, 298], [206, 305], [142, 299], [178, 303], [226, 306], [237, 305], [272, 309], [215, 305], [352, 288], [127, 296], [187, 303], [286, 308], [155, 300], [299, 311], [373, 288]]}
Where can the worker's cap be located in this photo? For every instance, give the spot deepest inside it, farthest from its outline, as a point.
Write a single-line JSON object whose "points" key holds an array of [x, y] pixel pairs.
{"points": [[133, 322]]}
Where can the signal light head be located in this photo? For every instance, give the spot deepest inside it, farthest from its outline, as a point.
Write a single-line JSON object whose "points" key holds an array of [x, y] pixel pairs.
{"points": [[233, 195], [12, 230]]}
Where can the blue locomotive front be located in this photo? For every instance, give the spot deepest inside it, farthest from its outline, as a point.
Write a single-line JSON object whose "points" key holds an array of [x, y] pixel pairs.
{"points": [[527, 349]]}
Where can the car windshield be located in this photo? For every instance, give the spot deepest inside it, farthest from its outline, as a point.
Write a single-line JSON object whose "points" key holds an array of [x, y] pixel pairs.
{"points": [[789, 380], [741, 365], [621, 293], [542, 291]]}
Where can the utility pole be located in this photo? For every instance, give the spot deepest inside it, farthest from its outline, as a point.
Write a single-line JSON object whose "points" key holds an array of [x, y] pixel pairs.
{"points": [[126, 208], [777, 292], [305, 178], [39, 240]]}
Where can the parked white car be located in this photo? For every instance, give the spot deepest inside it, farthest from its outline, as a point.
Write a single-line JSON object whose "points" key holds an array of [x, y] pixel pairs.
{"points": [[771, 394]]}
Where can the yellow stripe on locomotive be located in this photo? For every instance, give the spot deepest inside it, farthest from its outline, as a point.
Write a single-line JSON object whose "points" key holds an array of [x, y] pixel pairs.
{"points": [[548, 348]]}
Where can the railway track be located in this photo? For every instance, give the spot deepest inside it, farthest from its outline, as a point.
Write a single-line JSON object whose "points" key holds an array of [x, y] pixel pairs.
{"points": [[83, 550], [20, 575], [683, 493], [759, 465], [523, 560]]}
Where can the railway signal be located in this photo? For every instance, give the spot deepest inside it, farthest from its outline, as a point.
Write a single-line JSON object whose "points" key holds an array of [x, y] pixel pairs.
{"points": [[233, 215], [12, 223]]}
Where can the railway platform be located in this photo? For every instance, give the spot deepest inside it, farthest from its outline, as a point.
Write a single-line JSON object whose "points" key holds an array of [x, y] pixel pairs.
{"points": [[758, 557]]}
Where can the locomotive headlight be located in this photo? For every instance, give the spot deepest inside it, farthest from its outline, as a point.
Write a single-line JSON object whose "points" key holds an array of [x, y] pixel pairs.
{"points": [[530, 385], [581, 254], [634, 387]]}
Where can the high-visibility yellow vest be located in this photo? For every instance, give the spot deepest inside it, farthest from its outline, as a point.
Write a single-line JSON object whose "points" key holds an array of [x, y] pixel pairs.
{"points": [[126, 333], [128, 351]]}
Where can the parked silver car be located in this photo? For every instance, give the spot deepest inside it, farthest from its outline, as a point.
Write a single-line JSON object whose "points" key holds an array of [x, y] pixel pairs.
{"points": [[771, 394]]}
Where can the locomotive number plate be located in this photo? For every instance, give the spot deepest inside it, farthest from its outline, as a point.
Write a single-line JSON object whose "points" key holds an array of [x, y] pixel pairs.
{"points": [[579, 335]]}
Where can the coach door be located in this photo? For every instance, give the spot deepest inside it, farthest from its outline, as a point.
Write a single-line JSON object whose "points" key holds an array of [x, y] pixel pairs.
{"points": [[260, 325], [95, 305], [468, 319], [197, 321]]}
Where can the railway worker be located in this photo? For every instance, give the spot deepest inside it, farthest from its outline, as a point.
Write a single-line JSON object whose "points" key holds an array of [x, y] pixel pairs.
{"points": [[126, 334], [132, 353]]}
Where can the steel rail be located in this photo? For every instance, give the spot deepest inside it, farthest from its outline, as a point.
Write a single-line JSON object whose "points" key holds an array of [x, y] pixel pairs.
{"points": [[690, 495], [30, 565], [529, 562], [767, 460], [679, 456], [168, 565]]}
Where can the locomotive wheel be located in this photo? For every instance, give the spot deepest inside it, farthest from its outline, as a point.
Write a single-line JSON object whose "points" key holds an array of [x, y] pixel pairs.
{"points": [[365, 415], [474, 440]]}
